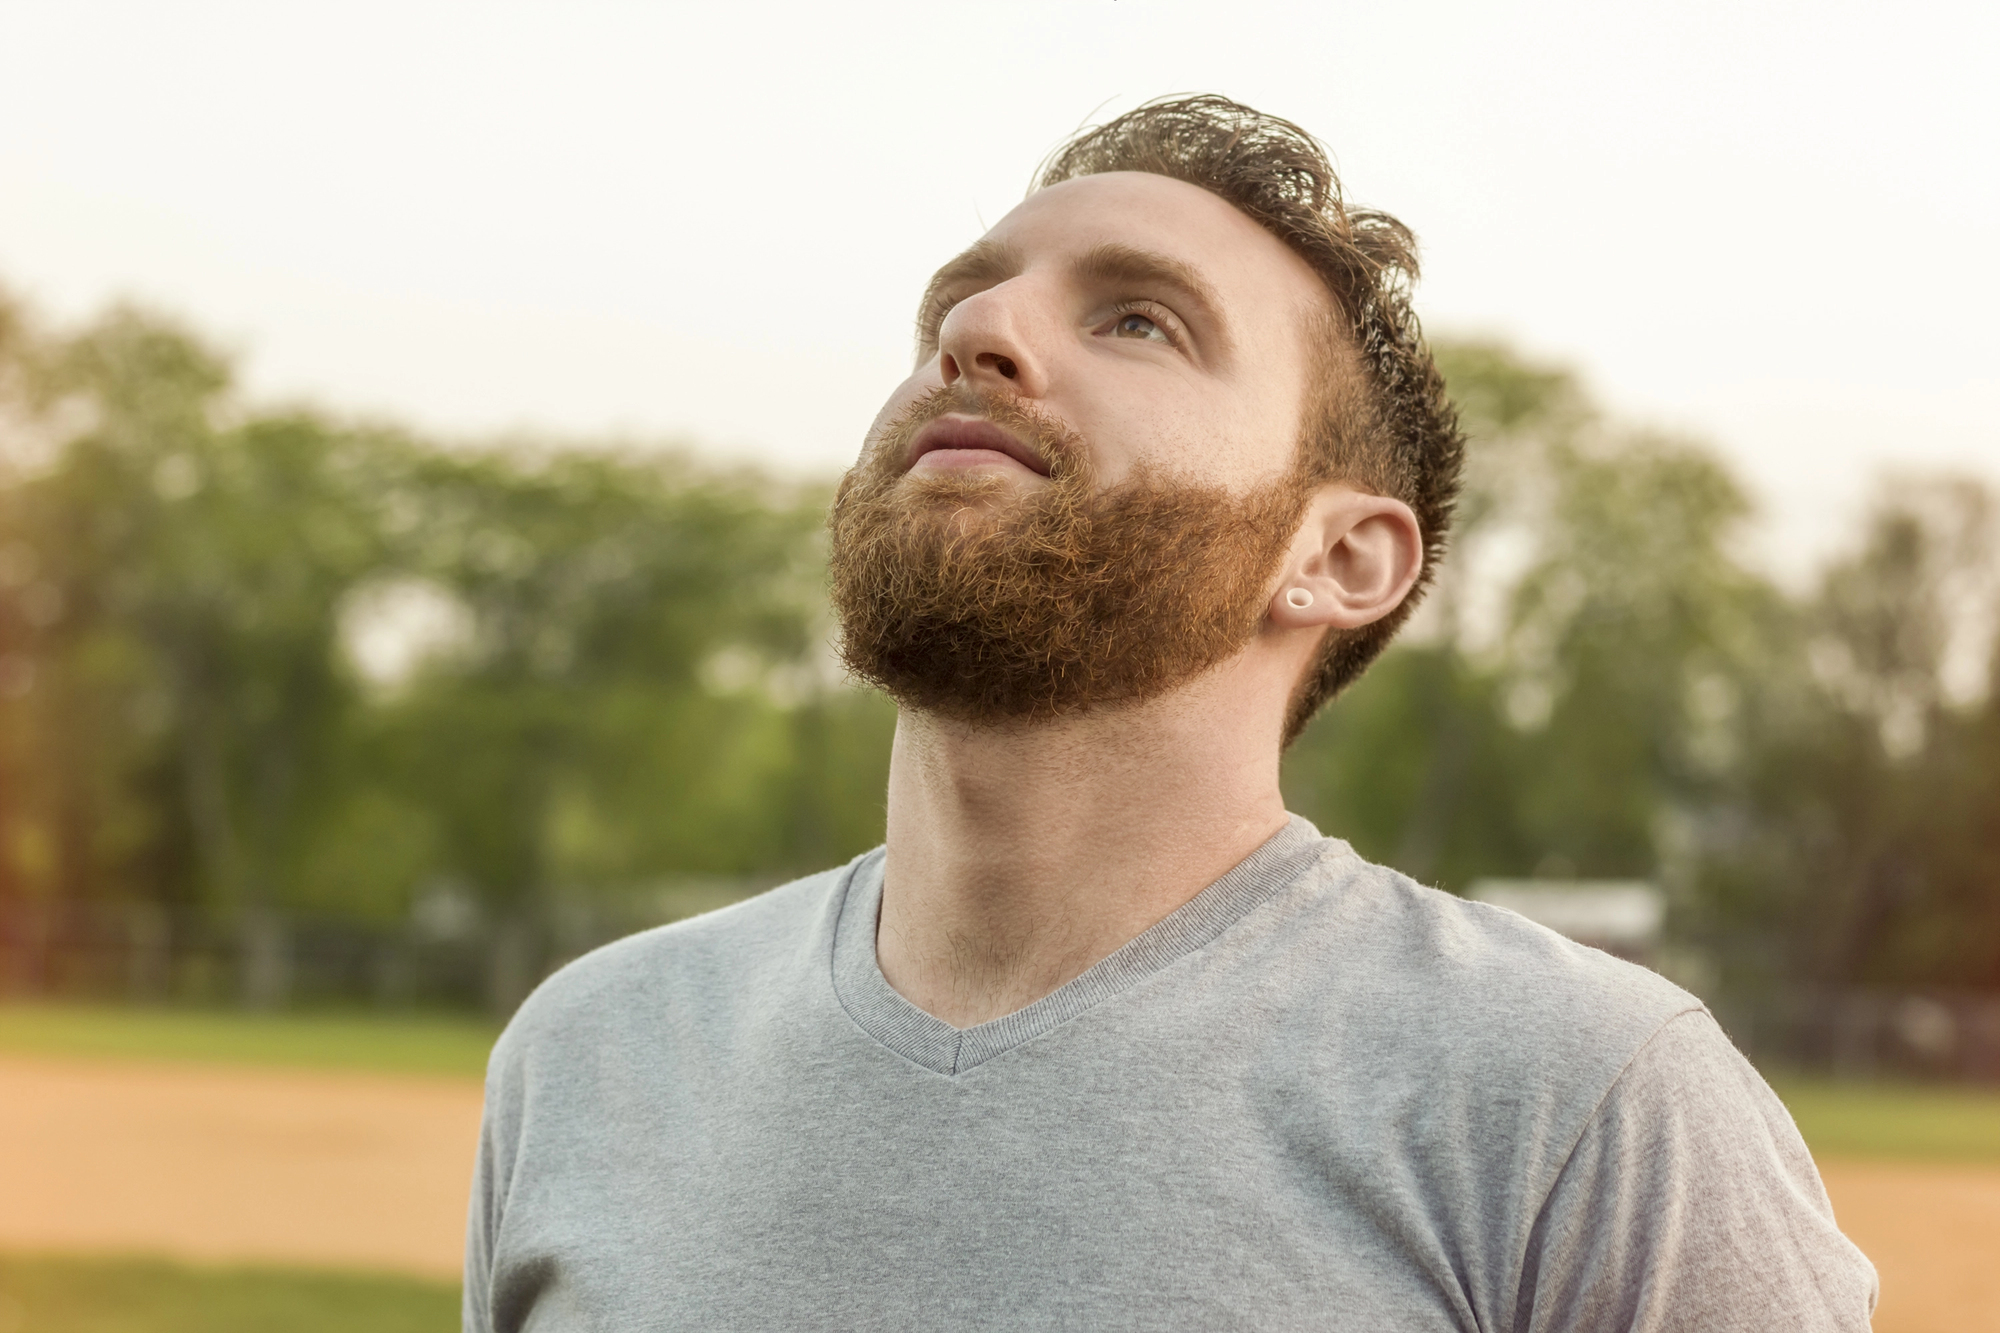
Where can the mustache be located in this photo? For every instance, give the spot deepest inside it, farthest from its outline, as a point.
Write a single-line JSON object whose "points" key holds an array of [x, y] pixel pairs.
{"points": [[1059, 444]]}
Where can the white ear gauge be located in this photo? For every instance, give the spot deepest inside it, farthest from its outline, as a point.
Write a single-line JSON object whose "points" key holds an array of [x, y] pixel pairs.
{"points": [[1299, 598]]}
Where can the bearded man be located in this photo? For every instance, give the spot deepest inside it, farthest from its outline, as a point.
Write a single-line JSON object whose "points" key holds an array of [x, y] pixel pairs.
{"points": [[1102, 1038]]}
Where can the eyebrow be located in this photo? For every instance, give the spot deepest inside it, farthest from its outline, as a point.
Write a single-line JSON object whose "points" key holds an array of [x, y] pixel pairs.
{"points": [[987, 262], [1128, 265]]}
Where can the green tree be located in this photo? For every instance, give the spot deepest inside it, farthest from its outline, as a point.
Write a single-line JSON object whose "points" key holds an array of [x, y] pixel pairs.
{"points": [[1860, 845], [637, 688], [577, 740], [1549, 708], [613, 679], [187, 566]]}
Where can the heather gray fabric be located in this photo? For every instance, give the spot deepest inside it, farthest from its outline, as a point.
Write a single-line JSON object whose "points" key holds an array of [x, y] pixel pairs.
{"points": [[1318, 1096]]}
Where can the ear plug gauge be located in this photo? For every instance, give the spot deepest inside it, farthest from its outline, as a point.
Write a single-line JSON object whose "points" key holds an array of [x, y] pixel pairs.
{"points": [[1299, 598]]}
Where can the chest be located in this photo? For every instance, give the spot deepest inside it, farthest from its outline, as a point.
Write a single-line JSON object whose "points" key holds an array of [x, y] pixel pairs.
{"points": [[1120, 1198]]}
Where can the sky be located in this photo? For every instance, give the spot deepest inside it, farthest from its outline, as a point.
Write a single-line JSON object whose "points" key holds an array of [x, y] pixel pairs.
{"points": [[1771, 226]]}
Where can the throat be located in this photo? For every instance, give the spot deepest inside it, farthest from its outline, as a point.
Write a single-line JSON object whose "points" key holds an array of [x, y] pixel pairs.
{"points": [[987, 966], [1019, 858]]}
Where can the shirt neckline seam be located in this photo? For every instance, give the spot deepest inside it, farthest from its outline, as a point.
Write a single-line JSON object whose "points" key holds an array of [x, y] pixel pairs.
{"points": [[886, 1016]]}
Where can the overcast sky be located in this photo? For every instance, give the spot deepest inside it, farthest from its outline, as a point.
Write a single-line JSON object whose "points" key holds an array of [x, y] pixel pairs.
{"points": [[1772, 225]]}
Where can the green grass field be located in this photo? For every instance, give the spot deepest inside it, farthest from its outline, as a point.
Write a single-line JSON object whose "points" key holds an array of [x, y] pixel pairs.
{"points": [[1907, 1121], [402, 1044], [47, 1295]]}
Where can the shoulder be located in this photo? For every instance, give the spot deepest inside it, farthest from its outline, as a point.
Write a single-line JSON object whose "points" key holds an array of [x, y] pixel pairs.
{"points": [[693, 974], [1470, 988], [1479, 959], [1691, 1201]]}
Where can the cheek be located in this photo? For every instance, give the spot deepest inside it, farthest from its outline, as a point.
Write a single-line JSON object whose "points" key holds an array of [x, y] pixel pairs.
{"points": [[1198, 438], [1258, 439], [1132, 419]]}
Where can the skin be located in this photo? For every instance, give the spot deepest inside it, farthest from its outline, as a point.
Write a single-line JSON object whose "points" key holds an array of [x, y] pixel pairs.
{"points": [[1170, 331]]}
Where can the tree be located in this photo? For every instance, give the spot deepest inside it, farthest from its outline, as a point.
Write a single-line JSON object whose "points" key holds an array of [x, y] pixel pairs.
{"points": [[1543, 710], [572, 739], [613, 678], [638, 686], [187, 697], [1860, 847]]}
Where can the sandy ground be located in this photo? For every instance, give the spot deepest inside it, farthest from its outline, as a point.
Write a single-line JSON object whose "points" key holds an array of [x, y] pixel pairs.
{"points": [[212, 1163], [358, 1171], [1934, 1234]]}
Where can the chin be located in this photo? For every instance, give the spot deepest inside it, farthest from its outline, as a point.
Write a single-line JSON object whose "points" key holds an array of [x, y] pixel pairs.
{"points": [[963, 486]]}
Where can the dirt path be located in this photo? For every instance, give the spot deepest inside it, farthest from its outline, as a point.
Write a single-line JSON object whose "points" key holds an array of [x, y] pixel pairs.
{"points": [[212, 1163], [1934, 1234], [359, 1171]]}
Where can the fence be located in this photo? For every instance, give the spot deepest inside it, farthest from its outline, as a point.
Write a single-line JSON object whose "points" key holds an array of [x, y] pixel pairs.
{"points": [[1866, 1034], [447, 953]]}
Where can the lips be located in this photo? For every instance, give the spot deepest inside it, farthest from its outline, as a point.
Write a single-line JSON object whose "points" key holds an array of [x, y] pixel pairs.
{"points": [[966, 439]]}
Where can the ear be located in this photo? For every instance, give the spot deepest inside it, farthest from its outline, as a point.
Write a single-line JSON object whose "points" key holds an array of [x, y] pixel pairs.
{"points": [[1357, 554]]}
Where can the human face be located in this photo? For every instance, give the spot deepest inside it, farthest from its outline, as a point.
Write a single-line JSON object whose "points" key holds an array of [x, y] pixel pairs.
{"points": [[1082, 495], [1160, 325]]}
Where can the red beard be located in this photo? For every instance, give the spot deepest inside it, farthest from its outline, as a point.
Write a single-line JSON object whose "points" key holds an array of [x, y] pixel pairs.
{"points": [[960, 596]]}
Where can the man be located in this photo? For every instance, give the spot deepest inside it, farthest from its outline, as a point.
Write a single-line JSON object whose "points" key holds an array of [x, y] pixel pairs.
{"points": [[1102, 1038]]}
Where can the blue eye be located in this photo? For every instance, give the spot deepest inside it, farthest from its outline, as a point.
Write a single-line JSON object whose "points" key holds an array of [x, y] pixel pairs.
{"points": [[1138, 326]]}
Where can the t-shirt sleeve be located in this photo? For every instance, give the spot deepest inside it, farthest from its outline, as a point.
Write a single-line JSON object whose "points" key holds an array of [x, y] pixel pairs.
{"points": [[1690, 1202], [475, 1311]]}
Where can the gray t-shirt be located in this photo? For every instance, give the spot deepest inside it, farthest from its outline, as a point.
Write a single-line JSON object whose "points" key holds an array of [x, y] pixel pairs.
{"points": [[1317, 1096]]}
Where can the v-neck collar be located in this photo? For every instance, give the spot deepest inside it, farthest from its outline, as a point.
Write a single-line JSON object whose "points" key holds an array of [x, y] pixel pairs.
{"points": [[936, 1045]]}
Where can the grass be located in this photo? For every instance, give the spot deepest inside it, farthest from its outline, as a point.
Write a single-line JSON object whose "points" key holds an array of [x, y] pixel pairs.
{"points": [[1910, 1121], [401, 1044], [50, 1295]]}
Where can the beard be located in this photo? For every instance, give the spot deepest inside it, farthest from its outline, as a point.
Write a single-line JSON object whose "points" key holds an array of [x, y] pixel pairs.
{"points": [[963, 596]]}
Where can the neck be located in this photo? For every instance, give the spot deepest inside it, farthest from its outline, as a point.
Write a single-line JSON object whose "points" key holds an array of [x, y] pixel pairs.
{"points": [[1020, 854]]}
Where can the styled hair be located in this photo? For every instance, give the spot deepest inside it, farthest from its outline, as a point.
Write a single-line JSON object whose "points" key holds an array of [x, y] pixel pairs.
{"points": [[1379, 418]]}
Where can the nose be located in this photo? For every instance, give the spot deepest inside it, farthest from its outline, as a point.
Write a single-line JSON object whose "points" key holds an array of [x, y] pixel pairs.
{"points": [[984, 340]]}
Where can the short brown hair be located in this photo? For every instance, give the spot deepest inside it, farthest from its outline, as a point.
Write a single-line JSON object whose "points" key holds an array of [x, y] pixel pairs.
{"points": [[1399, 436]]}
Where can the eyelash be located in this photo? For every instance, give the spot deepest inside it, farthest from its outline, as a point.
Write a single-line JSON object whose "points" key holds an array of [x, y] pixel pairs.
{"points": [[933, 319], [1162, 318]]}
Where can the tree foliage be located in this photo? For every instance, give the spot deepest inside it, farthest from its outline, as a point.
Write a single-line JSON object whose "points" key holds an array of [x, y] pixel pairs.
{"points": [[1604, 685], [614, 668], [258, 668]]}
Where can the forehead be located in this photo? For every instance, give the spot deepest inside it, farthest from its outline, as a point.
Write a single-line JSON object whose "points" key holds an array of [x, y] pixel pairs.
{"points": [[1248, 267]]}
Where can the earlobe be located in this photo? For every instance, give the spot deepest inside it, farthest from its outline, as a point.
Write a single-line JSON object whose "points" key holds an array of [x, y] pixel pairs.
{"points": [[1355, 560]]}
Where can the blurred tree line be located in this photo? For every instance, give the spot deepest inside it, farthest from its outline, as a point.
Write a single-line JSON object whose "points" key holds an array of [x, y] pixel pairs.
{"points": [[1604, 685], [266, 672], [264, 669]]}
